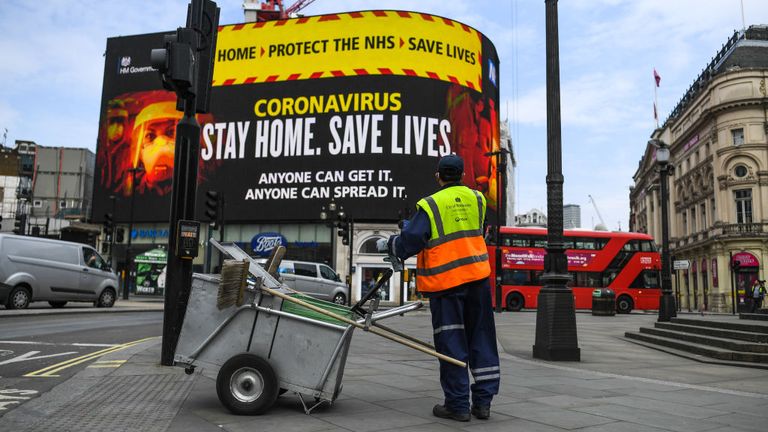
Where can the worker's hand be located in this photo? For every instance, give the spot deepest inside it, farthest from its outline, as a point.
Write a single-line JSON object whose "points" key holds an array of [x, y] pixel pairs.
{"points": [[382, 245]]}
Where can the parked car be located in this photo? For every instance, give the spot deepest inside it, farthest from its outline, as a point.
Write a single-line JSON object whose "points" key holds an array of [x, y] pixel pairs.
{"points": [[38, 269], [314, 279]]}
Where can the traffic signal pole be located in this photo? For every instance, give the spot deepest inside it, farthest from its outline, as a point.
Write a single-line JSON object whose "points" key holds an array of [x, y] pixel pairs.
{"points": [[186, 67]]}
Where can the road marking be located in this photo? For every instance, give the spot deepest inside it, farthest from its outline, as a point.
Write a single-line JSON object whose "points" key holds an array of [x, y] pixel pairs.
{"points": [[6, 400], [26, 343], [29, 356], [50, 343], [107, 364], [93, 345], [51, 370]]}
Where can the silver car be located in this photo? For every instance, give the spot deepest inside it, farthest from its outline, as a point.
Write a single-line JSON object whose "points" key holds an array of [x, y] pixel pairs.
{"points": [[314, 279], [38, 269]]}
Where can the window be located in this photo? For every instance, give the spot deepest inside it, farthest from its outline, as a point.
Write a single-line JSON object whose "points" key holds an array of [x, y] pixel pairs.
{"points": [[743, 199], [369, 246], [37, 203], [646, 279], [62, 204], [327, 273], [693, 219], [309, 270], [738, 136], [587, 279], [92, 259], [685, 222], [713, 209], [516, 277], [740, 171], [703, 211]]}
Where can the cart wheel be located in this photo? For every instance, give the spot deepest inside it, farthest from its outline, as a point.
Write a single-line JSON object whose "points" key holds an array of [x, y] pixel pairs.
{"points": [[189, 370], [247, 385]]}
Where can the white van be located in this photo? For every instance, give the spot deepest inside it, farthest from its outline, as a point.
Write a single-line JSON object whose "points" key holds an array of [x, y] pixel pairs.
{"points": [[38, 269], [314, 279]]}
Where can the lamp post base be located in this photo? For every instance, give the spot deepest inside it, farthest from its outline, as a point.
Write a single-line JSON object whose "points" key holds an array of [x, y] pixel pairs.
{"points": [[667, 307], [556, 327]]}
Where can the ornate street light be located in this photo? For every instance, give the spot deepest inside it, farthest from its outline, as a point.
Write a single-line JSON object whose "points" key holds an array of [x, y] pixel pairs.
{"points": [[667, 305], [555, 315]]}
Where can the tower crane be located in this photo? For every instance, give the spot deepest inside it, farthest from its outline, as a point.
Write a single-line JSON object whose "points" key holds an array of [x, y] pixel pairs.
{"points": [[273, 9], [601, 226]]}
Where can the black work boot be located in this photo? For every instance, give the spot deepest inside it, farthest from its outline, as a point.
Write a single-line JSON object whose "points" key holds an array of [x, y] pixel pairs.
{"points": [[443, 412], [481, 412]]}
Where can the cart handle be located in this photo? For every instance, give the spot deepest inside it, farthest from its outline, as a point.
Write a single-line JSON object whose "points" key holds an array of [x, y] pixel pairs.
{"points": [[357, 308]]}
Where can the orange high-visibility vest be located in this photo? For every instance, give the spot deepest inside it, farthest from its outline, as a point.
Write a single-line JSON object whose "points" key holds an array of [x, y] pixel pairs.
{"points": [[456, 252]]}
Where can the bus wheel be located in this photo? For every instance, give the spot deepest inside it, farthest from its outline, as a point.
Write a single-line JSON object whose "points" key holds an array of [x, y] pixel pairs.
{"points": [[624, 304], [515, 302]]}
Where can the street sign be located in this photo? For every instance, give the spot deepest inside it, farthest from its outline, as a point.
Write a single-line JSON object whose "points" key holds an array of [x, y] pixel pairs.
{"points": [[681, 264]]}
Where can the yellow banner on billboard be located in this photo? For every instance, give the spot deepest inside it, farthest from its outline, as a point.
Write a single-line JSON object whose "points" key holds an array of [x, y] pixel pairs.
{"points": [[349, 44]]}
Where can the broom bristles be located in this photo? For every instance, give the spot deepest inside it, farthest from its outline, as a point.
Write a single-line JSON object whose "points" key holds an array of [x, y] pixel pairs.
{"points": [[234, 275]]}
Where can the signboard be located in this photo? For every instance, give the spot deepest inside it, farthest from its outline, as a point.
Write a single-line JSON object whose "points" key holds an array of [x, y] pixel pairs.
{"points": [[535, 257], [681, 264], [745, 259], [354, 107]]}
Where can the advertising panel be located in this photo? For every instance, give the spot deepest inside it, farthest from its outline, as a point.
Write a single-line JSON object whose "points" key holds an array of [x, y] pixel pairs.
{"points": [[356, 108]]}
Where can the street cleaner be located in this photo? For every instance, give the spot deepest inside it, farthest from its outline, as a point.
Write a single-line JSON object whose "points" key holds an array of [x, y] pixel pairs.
{"points": [[452, 271]]}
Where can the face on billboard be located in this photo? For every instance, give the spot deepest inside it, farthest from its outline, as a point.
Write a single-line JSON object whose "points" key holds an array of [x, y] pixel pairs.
{"points": [[356, 108]]}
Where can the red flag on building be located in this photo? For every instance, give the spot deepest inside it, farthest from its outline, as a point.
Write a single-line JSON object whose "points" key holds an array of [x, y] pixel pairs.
{"points": [[656, 77]]}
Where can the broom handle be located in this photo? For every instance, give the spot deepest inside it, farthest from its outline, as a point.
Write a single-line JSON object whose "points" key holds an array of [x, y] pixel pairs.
{"points": [[373, 330]]}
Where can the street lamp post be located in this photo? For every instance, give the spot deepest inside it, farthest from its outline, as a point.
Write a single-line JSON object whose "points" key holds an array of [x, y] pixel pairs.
{"points": [[501, 216], [335, 217], [555, 315], [667, 307], [128, 257]]}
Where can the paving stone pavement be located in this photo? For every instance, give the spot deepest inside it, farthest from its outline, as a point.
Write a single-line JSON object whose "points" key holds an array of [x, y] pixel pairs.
{"points": [[618, 386]]}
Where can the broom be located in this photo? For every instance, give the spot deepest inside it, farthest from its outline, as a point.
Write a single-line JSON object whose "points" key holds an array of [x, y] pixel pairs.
{"points": [[230, 286], [234, 276]]}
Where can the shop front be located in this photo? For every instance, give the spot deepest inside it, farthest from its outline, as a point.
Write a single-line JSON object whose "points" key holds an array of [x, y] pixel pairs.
{"points": [[746, 269]]}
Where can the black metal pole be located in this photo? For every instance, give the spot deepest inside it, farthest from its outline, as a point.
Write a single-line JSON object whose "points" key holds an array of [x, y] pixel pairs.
{"points": [[667, 307], [128, 257], [179, 271], [114, 231], [498, 234], [351, 250], [556, 317]]}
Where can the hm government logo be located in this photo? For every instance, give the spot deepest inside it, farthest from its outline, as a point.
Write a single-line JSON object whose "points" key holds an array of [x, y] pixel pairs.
{"points": [[125, 67]]}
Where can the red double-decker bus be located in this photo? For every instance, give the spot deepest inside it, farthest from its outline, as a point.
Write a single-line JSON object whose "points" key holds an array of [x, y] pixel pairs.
{"points": [[625, 262]]}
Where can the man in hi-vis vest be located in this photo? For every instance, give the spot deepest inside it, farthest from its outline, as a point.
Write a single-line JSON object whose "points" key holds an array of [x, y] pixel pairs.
{"points": [[452, 271]]}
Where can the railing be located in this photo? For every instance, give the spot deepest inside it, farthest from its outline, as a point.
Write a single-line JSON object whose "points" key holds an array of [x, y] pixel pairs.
{"points": [[748, 228]]}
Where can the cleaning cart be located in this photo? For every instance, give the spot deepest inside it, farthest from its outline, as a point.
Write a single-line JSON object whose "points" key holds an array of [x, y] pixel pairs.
{"points": [[264, 339]]}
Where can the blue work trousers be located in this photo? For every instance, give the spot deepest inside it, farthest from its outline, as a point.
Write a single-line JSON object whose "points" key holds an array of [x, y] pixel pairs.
{"points": [[464, 329]]}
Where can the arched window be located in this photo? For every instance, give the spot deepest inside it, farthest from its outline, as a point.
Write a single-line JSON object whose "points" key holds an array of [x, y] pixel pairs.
{"points": [[369, 246]]}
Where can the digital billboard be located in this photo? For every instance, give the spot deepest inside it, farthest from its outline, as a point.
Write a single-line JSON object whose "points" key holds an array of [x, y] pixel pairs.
{"points": [[355, 107]]}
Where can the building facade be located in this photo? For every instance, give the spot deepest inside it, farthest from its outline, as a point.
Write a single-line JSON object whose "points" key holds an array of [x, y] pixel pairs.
{"points": [[533, 218], [571, 216], [718, 191]]}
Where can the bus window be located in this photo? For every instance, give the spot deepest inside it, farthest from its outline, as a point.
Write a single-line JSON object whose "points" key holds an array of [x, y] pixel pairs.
{"points": [[568, 244], [632, 246], [520, 242], [540, 243], [588, 279], [516, 277], [647, 246], [646, 279]]}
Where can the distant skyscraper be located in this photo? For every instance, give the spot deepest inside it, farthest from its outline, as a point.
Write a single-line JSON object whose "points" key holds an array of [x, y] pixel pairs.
{"points": [[571, 216]]}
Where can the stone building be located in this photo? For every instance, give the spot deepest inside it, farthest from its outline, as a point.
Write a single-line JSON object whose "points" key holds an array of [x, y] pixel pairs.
{"points": [[718, 203]]}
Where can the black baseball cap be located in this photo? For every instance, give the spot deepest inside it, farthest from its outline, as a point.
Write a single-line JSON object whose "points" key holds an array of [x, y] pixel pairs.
{"points": [[450, 167]]}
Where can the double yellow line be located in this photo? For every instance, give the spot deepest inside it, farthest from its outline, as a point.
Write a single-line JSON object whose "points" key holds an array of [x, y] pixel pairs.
{"points": [[50, 371]]}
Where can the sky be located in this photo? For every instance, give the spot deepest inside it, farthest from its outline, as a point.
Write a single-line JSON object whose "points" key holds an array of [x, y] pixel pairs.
{"points": [[52, 67]]}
